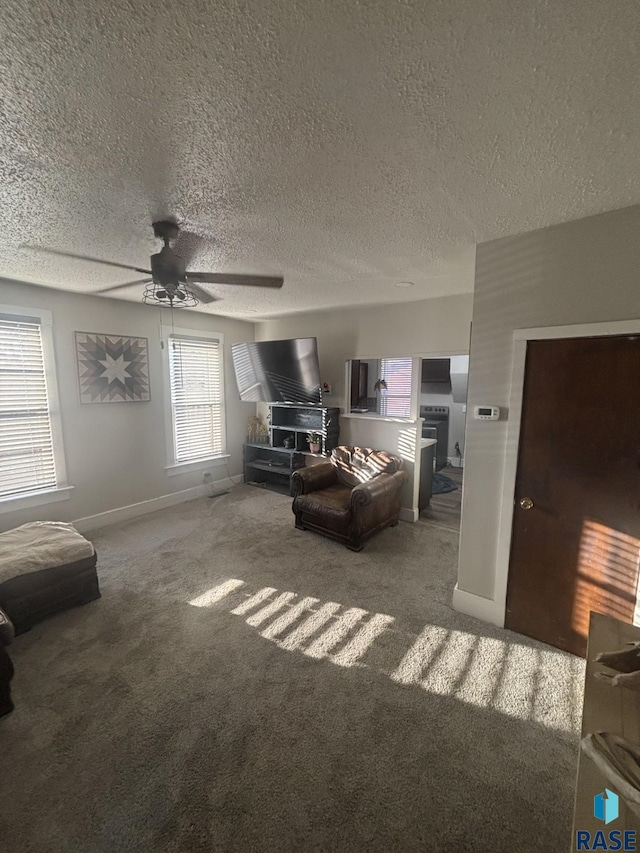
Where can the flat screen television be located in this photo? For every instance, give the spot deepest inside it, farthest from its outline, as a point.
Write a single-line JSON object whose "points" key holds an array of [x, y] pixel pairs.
{"points": [[278, 371]]}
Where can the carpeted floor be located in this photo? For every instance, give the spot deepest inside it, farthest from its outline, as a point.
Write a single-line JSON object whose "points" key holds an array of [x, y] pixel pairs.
{"points": [[244, 686]]}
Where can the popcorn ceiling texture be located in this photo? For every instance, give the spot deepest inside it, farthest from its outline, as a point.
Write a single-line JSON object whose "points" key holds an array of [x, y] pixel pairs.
{"points": [[345, 145]]}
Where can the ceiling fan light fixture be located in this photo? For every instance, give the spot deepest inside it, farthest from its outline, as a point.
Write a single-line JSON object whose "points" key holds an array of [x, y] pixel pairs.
{"points": [[176, 296]]}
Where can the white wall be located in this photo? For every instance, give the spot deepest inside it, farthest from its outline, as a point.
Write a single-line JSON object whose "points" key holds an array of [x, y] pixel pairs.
{"points": [[428, 327], [585, 271], [401, 439], [115, 452]]}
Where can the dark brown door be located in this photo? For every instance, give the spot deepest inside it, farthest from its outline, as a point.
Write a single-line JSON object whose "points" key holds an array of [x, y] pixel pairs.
{"points": [[576, 531]]}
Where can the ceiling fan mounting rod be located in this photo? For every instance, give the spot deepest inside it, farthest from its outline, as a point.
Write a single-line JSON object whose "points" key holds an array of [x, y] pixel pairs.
{"points": [[166, 230]]}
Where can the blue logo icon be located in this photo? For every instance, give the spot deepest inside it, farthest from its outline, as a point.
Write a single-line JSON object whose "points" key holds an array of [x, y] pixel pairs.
{"points": [[606, 806]]}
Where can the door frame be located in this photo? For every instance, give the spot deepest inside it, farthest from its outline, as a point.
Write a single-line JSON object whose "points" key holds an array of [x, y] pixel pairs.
{"points": [[521, 337]]}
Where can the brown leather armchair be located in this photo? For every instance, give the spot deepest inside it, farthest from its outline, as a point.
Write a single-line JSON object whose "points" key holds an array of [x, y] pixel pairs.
{"points": [[350, 497]]}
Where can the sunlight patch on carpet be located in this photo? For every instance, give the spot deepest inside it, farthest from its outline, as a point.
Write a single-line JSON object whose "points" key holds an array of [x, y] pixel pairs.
{"points": [[510, 678], [309, 627], [271, 609], [254, 601], [359, 644], [336, 633], [280, 625], [217, 593]]}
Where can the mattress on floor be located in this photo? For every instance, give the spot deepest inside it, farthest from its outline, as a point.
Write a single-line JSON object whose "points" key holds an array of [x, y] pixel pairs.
{"points": [[41, 545], [27, 599], [45, 568]]}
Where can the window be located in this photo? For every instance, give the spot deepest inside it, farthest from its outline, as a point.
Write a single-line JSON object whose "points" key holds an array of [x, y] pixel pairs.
{"points": [[30, 446], [197, 399], [395, 402]]}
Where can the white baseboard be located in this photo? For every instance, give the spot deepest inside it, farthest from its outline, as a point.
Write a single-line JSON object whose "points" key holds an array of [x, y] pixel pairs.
{"points": [[124, 513], [476, 605], [409, 514]]}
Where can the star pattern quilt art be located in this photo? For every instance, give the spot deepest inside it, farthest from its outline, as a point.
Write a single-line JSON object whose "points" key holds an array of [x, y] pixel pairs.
{"points": [[112, 368]]}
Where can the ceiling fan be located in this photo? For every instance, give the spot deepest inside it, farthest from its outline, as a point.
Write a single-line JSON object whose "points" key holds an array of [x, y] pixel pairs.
{"points": [[168, 282]]}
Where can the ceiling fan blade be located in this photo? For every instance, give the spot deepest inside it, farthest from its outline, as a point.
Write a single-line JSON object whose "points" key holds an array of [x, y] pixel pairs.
{"points": [[234, 278], [120, 286], [86, 258], [201, 294]]}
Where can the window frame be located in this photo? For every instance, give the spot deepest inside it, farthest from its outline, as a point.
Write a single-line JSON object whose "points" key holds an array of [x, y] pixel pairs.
{"points": [[414, 415], [61, 491], [174, 467], [385, 396]]}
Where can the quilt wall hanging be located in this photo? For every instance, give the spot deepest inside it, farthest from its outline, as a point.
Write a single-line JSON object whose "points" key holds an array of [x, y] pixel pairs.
{"points": [[112, 368]]}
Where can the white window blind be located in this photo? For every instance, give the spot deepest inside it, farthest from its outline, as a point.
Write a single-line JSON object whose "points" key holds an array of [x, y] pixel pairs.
{"points": [[26, 447], [195, 373], [395, 402]]}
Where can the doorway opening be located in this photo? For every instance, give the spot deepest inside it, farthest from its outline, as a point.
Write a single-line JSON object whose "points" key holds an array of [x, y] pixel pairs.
{"points": [[443, 409]]}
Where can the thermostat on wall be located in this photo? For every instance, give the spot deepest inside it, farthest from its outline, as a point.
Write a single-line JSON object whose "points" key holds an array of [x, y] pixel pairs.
{"points": [[486, 413]]}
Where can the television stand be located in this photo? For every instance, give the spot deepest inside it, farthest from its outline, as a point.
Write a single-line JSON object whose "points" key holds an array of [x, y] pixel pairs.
{"points": [[271, 465]]}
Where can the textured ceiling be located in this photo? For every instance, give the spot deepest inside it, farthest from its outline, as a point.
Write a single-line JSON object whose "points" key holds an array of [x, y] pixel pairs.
{"points": [[346, 145]]}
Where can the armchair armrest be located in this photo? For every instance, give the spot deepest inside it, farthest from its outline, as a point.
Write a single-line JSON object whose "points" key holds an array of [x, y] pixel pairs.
{"points": [[384, 485], [305, 480]]}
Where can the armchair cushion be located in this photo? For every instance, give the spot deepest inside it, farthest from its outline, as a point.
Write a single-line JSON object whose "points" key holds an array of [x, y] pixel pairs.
{"points": [[355, 465], [329, 507]]}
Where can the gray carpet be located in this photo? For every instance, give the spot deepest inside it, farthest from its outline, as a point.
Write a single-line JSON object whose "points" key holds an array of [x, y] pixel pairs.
{"points": [[357, 713]]}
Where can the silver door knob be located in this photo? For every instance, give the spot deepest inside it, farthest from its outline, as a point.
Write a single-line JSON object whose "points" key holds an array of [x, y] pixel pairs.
{"points": [[526, 503]]}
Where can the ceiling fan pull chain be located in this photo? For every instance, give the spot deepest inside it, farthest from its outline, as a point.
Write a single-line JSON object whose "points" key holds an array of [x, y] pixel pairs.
{"points": [[161, 329]]}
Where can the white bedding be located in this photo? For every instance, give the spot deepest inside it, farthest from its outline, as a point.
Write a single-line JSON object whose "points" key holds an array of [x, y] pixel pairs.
{"points": [[40, 545]]}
